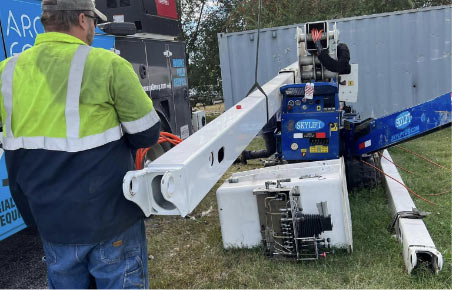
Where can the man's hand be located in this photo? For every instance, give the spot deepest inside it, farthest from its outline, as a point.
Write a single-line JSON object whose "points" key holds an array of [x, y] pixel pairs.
{"points": [[316, 36]]}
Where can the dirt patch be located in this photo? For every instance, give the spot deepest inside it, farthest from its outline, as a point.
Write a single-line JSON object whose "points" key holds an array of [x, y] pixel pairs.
{"points": [[216, 109]]}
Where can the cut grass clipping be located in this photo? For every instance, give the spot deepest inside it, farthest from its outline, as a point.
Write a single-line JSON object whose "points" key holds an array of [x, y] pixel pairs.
{"points": [[188, 252]]}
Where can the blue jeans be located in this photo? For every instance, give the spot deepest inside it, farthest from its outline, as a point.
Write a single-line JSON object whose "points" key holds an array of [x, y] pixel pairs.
{"points": [[119, 263]]}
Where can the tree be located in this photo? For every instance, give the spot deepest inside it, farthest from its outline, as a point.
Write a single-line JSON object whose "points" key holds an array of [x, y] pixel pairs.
{"points": [[286, 12], [201, 21]]}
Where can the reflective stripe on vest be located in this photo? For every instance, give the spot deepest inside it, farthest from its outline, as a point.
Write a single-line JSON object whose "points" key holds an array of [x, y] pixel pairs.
{"points": [[141, 124], [74, 85], [7, 92], [72, 142]]}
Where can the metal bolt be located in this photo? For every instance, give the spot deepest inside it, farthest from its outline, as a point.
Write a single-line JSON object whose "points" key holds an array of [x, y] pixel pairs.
{"points": [[233, 180]]}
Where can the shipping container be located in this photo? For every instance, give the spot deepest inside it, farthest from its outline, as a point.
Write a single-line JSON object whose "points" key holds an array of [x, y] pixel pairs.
{"points": [[404, 57]]}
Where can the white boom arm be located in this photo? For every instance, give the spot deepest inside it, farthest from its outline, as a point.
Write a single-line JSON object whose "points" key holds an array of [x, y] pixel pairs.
{"points": [[176, 182]]}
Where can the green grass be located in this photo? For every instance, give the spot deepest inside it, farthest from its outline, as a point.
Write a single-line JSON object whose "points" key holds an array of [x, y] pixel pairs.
{"points": [[210, 118], [188, 253]]}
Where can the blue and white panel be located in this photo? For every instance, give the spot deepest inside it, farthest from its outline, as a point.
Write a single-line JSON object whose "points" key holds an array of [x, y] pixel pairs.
{"points": [[10, 219], [403, 125], [20, 24]]}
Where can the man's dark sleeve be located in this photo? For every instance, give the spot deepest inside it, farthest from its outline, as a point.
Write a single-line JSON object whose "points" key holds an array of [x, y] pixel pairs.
{"points": [[144, 139], [341, 65]]}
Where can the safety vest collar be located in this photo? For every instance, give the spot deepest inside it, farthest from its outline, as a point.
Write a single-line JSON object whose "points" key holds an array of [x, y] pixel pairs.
{"points": [[57, 37]]}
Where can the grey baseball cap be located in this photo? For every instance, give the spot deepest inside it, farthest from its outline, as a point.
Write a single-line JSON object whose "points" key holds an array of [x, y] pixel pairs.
{"points": [[85, 5]]}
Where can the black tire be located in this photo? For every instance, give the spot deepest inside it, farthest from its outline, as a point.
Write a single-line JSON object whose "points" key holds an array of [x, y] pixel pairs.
{"points": [[360, 175]]}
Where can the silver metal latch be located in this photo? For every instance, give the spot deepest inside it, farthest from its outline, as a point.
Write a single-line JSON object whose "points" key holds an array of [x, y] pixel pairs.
{"points": [[167, 53]]}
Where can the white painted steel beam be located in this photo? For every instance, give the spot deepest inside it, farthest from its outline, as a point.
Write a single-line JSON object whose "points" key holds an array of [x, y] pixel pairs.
{"points": [[417, 244], [177, 181]]}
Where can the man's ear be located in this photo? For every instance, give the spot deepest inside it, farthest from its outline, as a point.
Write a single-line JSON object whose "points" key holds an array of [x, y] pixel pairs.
{"points": [[82, 21]]}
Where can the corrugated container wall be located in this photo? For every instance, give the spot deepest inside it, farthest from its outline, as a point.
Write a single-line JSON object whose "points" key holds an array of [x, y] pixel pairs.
{"points": [[405, 58]]}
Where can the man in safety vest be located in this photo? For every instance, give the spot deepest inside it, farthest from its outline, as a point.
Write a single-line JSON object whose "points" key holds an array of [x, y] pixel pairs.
{"points": [[71, 116]]}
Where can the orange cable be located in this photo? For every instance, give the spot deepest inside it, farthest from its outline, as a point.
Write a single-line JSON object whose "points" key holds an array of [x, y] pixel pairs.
{"points": [[141, 153], [433, 194], [423, 157], [401, 183], [164, 137], [438, 194], [404, 169]]}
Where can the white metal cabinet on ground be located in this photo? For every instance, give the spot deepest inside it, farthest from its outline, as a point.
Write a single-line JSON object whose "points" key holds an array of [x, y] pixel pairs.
{"points": [[198, 120], [318, 181]]}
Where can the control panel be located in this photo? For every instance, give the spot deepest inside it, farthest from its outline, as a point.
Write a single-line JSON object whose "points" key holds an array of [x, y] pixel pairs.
{"points": [[310, 121]]}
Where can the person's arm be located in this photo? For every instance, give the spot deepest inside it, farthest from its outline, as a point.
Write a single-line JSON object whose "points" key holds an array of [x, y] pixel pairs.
{"points": [[341, 65], [139, 120]]}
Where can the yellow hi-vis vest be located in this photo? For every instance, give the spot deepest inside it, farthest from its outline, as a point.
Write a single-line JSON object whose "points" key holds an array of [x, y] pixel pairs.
{"points": [[66, 96]]}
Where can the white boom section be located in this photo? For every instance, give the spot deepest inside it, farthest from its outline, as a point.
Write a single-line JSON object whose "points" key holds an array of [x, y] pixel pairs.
{"points": [[176, 182], [417, 244]]}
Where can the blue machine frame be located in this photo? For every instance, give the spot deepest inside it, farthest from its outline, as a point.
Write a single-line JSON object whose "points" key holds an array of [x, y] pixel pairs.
{"points": [[318, 129], [310, 127], [376, 134]]}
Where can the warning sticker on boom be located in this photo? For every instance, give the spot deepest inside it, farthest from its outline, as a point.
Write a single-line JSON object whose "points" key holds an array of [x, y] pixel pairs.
{"points": [[184, 132]]}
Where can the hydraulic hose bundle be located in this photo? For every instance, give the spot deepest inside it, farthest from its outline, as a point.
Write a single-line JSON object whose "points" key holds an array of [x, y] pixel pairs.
{"points": [[164, 137]]}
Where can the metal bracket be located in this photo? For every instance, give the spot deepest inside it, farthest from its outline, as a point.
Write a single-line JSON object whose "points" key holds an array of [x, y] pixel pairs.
{"points": [[413, 214]]}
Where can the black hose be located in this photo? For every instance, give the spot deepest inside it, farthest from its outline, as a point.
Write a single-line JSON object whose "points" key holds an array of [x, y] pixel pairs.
{"points": [[270, 144]]}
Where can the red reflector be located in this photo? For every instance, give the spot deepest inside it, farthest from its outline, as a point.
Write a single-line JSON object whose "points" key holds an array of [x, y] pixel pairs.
{"points": [[361, 146], [320, 135], [238, 107], [166, 8]]}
